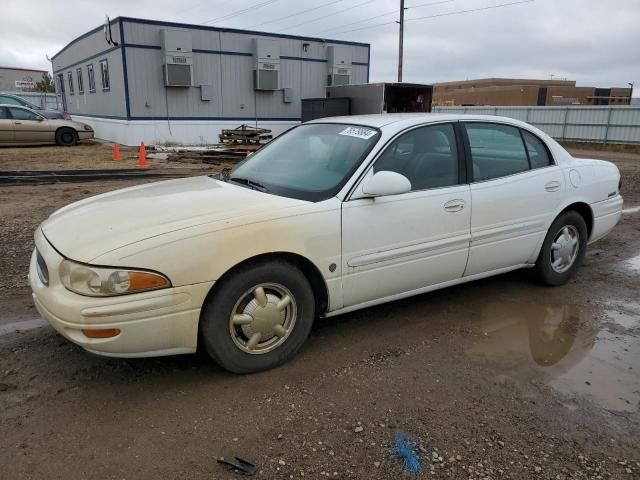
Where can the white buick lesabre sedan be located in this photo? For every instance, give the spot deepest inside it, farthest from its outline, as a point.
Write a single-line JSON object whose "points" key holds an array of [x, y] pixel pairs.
{"points": [[335, 215]]}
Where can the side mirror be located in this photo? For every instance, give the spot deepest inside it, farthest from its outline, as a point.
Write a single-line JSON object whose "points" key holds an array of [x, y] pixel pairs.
{"points": [[40, 119], [386, 183]]}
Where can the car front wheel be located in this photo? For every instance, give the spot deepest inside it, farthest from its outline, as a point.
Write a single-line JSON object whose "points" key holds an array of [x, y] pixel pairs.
{"points": [[66, 137], [563, 249], [259, 317]]}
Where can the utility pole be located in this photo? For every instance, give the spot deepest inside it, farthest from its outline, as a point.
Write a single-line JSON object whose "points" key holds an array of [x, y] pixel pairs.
{"points": [[401, 40], [631, 84]]}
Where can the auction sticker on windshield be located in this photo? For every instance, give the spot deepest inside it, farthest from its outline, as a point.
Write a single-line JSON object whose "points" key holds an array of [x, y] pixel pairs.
{"points": [[358, 132]]}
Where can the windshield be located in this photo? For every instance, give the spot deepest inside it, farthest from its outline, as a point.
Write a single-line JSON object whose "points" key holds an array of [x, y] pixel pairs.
{"points": [[310, 162]]}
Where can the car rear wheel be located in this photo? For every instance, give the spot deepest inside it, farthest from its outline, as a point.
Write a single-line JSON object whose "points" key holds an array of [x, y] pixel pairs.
{"points": [[258, 318], [66, 137], [563, 249]]}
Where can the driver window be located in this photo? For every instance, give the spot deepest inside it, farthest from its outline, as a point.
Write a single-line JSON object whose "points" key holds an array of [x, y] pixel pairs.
{"points": [[427, 156]]}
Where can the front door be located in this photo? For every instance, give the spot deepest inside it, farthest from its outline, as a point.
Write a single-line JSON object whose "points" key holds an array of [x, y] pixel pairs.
{"points": [[400, 244], [6, 126], [515, 190], [29, 127]]}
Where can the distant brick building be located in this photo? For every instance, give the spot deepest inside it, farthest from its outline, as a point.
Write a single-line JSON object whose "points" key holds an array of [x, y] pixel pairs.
{"points": [[19, 79], [520, 92]]}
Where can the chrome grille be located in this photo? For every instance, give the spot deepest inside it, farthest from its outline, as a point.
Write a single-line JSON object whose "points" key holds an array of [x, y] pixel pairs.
{"points": [[43, 271]]}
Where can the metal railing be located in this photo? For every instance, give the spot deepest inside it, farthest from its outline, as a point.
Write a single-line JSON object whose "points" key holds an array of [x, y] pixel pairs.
{"points": [[601, 124]]}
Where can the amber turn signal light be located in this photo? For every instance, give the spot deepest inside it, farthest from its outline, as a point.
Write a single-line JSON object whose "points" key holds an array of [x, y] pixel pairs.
{"points": [[101, 332], [145, 281]]}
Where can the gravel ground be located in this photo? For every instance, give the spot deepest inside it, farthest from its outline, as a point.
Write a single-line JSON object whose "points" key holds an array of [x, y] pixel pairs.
{"points": [[499, 378]]}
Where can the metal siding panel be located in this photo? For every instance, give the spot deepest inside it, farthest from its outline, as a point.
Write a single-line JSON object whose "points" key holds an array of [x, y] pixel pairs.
{"points": [[624, 134], [517, 113], [588, 115], [625, 116], [314, 79], [585, 132], [237, 86], [359, 74], [111, 102], [546, 115], [146, 83], [86, 47]]}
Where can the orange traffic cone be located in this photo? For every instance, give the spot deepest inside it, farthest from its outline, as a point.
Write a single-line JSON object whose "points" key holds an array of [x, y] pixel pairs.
{"points": [[142, 158], [116, 152]]}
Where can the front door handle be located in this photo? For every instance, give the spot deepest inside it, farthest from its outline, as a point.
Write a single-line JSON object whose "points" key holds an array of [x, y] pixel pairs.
{"points": [[454, 205], [17, 123], [552, 186]]}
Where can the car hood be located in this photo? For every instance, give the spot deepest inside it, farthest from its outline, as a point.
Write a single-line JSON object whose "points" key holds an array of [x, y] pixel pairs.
{"points": [[51, 114], [92, 227], [61, 122]]}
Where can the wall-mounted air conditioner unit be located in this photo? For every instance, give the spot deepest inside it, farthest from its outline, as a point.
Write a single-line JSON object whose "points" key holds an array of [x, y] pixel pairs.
{"points": [[339, 58], [266, 64], [177, 58]]}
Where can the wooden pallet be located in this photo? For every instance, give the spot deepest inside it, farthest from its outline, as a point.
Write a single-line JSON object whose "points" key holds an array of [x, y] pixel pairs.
{"points": [[245, 135]]}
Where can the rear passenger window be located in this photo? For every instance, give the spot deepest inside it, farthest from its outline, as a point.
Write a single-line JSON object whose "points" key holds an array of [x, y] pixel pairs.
{"points": [[496, 150], [3, 113], [538, 155], [427, 156]]}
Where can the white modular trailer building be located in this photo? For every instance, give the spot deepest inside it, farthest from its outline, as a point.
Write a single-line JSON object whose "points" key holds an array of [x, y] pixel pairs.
{"points": [[145, 80]]}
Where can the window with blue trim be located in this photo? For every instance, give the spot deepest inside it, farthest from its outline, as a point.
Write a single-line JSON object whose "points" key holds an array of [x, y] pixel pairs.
{"points": [[70, 78], [104, 74], [92, 78], [80, 82]]}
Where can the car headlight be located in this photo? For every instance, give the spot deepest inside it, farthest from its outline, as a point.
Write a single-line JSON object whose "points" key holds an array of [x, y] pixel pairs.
{"points": [[88, 128], [107, 282]]}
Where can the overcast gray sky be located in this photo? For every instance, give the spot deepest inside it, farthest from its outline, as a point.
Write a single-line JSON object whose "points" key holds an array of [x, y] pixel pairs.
{"points": [[591, 41]]}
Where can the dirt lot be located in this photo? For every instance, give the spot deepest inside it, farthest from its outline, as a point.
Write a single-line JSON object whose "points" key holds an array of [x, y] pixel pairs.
{"points": [[500, 378]]}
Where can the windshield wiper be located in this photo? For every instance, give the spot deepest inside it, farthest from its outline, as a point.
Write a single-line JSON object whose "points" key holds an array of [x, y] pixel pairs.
{"points": [[249, 183]]}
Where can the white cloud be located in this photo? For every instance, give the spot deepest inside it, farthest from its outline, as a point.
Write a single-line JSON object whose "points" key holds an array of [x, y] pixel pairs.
{"points": [[593, 42]]}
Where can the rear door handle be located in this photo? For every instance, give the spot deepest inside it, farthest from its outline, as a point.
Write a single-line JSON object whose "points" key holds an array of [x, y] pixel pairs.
{"points": [[17, 123], [552, 186], [454, 205]]}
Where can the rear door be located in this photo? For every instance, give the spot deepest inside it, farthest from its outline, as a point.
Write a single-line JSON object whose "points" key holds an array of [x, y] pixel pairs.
{"points": [[29, 127], [6, 126], [515, 191]]}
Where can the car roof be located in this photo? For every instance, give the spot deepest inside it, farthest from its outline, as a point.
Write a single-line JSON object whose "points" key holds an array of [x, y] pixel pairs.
{"points": [[18, 106], [407, 119]]}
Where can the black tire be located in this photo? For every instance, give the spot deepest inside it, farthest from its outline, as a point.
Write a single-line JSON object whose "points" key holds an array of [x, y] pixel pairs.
{"points": [[217, 311], [66, 137], [544, 269]]}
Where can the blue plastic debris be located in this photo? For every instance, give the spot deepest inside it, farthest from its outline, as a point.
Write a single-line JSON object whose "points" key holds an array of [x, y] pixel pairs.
{"points": [[405, 449]]}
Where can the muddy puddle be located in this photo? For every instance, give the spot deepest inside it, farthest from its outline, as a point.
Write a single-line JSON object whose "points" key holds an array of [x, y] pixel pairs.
{"points": [[578, 351]]}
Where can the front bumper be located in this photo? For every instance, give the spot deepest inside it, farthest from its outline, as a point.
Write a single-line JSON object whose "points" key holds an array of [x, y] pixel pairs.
{"points": [[85, 134], [162, 322]]}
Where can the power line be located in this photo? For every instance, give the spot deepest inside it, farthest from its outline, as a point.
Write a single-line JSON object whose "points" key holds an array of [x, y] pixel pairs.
{"points": [[392, 12], [330, 14], [240, 12], [472, 10], [296, 14], [459, 12]]}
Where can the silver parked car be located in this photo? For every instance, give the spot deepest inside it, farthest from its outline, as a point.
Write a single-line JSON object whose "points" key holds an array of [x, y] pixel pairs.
{"points": [[8, 99], [23, 126]]}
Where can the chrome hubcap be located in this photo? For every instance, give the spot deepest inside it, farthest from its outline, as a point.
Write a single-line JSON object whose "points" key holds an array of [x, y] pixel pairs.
{"points": [[564, 249], [263, 318]]}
